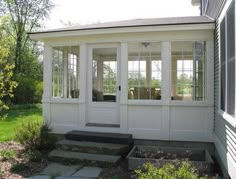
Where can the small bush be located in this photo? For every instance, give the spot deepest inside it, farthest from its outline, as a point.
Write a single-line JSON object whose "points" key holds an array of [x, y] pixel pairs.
{"points": [[33, 155], [28, 91], [34, 135], [7, 154], [168, 171], [18, 167]]}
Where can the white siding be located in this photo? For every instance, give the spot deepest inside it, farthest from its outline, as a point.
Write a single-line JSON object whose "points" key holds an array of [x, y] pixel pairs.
{"points": [[225, 133]]}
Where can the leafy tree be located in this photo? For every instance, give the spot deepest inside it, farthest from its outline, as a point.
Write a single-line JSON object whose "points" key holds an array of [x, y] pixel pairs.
{"points": [[6, 70], [26, 16], [184, 85]]}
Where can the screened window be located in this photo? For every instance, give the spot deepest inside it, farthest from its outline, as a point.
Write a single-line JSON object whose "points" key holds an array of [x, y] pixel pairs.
{"points": [[188, 71], [144, 71], [65, 72], [227, 61]]}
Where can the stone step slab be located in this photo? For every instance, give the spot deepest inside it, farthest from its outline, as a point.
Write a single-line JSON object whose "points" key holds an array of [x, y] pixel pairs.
{"points": [[115, 138], [62, 155], [93, 147]]}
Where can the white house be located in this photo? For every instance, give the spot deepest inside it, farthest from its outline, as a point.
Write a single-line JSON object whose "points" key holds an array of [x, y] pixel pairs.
{"points": [[162, 79]]}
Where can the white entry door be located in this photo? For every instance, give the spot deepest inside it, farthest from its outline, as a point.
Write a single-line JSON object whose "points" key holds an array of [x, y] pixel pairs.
{"points": [[104, 85]]}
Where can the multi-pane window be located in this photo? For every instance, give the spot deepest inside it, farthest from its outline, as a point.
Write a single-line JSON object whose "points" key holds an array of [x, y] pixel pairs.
{"points": [[144, 71], [65, 72], [188, 71], [227, 61]]}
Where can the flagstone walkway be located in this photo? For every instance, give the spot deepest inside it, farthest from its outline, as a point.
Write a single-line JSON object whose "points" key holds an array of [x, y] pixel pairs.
{"points": [[59, 171]]}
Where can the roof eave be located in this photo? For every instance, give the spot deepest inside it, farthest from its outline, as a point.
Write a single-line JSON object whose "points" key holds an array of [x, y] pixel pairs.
{"points": [[124, 29]]}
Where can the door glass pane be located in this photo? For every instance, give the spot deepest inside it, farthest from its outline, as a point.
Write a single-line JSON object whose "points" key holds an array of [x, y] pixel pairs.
{"points": [[104, 75]]}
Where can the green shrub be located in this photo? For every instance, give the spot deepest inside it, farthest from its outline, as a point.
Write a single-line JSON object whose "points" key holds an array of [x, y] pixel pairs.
{"points": [[33, 155], [34, 135], [18, 167], [7, 154], [169, 171], [28, 91]]}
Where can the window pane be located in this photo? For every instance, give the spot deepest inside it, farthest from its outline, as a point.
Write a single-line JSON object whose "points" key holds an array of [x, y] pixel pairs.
{"points": [[222, 65], [144, 71], [65, 72], [188, 59], [231, 60], [104, 74]]}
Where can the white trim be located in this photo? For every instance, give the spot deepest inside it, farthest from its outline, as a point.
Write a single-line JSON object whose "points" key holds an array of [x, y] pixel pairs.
{"points": [[190, 103], [63, 101], [82, 72], [235, 55], [94, 106], [231, 120], [40, 36], [209, 73], [136, 102], [223, 12], [124, 87], [166, 71]]}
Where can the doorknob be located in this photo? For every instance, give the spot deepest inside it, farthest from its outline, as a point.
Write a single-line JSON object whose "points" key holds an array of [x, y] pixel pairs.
{"points": [[119, 88]]}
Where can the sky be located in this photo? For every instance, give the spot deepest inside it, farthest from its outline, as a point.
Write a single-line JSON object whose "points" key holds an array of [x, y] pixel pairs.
{"points": [[82, 12]]}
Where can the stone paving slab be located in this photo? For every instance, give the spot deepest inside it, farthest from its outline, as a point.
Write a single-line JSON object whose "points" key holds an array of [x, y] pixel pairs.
{"points": [[40, 177], [59, 154], [72, 178], [88, 172], [55, 169]]}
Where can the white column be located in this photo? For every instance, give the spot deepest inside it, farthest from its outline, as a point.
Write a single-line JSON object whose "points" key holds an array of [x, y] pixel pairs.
{"points": [[166, 88], [124, 87], [82, 73], [166, 71], [47, 83], [124, 73], [83, 86]]}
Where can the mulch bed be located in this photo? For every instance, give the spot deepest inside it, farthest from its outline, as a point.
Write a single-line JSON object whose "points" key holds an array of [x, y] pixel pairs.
{"points": [[29, 168], [25, 167]]}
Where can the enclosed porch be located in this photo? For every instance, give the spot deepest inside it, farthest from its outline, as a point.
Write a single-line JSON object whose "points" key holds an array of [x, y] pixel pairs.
{"points": [[155, 82]]}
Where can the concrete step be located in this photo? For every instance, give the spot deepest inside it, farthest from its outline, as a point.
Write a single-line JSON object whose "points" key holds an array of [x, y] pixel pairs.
{"points": [[61, 155], [115, 138], [93, 147]]}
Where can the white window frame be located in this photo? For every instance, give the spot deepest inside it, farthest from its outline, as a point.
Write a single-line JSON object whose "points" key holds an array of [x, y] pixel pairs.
{"points": [[205, 74], [230, 119], [60, 100], [146, 101]]}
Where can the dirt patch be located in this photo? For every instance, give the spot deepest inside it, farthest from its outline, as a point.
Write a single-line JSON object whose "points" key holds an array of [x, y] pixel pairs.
{"points": [[18, 166], [118, 171]]}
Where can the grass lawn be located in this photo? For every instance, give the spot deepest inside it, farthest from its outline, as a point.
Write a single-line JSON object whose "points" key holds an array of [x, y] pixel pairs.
{"points": [[16, 115]]}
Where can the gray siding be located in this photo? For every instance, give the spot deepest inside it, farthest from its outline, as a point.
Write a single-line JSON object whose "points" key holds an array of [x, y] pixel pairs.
{"points": [[225, 133], [214, 7]]}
